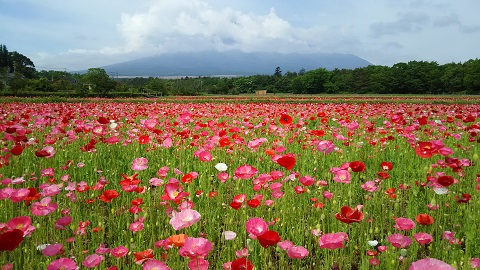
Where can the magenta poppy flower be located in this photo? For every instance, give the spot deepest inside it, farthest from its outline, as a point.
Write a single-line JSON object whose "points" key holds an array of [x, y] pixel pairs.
{"points": [[139, 164], [475, 262], [153, 264], [333, 240], [297, 252], [198, 264], [423, 238], [256, 226], [325, 147], [245, 172], [52, 250], [62, 264], [195, 248], [19, 195], [119, 251], [92, 260], [23, 223], [399, 240], [430, 263], [184, 219], [44, 207], [404, 224], [342, 176]]}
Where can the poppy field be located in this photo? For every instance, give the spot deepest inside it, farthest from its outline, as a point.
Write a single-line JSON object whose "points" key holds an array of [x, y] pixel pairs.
{"points": [[239, 185]]}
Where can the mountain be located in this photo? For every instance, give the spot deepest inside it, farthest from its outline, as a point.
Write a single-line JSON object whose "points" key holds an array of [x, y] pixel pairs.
{"points": [[211, 63]]}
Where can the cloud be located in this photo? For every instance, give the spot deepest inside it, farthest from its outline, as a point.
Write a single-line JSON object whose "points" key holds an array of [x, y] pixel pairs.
{"points": [[407, 22]]}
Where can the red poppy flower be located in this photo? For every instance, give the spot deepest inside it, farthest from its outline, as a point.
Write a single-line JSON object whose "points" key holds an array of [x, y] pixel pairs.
{"points": [[33, 195], [16, 150], [424, 219], [142, 256], [425, 149], [235, 205], [285, 119], [465, 198], [445, 180], [144, 139], [383, 175], [129, 180], [187, 178], [102, 120], [224, 142], [268, 238], [241, 264], [287, 162], [108, 195], [386, 166], [41, 153], [10, 240], [349, 215], [357, 166], [253, 203]]}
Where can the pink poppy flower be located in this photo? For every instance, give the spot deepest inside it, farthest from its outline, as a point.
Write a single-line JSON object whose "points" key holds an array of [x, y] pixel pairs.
{"points": [[139, 164], [167, 143], [333, 240], [195, 248], [423, 238], [184, 219], [325, 147], [93, 260], [119, 251], [404, 224], [370, 186], [44, 207], [153, 264], [430, 263], [198, 264], [5, 193], [342, 176], [136, 226], [204, 156], [306, 180], [222, 176], [245, 172], [102, 250], [23, 223], [19, 195], [297, 252], [47, 152], [62, 264], [285, 245], [256, 226], [399, 240], [162, 172], [52, 250], [475, 262]]}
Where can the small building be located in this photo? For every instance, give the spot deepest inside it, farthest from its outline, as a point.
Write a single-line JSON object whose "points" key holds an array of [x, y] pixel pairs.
{"points": [[260, 92]]}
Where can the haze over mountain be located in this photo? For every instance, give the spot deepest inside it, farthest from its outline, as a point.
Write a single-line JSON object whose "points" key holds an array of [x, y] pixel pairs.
{"points": [[213, 63]]}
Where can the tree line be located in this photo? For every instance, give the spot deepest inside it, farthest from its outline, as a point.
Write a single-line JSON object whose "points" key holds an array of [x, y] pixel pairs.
{"points": [[18, 76]]}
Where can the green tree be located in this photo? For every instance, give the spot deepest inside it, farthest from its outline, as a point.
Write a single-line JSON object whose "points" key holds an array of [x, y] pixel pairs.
{"points": [[472, 76], [99, 81], [20, 64], [452, 78], [278, 72], [157, 86]]}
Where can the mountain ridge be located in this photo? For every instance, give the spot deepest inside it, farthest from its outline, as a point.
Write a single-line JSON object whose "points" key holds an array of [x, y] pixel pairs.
{"points": [[232, 63]]}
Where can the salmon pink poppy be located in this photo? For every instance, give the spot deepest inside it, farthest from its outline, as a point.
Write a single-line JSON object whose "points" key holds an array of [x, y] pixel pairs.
{"points": [[333, 240], [430, 263], [287, 162], [177, 240], [268, 238], [349, 215], [424, 219]]}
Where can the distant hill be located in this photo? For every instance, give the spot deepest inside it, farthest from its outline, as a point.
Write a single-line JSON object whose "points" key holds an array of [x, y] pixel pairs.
{"points": [[211, 63]]}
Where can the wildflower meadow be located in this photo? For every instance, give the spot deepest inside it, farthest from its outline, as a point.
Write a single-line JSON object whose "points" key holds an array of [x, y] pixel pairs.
{"points": [[105, 184]]}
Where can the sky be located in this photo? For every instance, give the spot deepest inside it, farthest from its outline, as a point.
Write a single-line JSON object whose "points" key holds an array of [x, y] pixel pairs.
{"points": [[80, 34]]}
